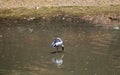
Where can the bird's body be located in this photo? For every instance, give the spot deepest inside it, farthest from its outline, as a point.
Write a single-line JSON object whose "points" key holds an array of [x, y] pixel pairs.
{"points": [[57, 43]]}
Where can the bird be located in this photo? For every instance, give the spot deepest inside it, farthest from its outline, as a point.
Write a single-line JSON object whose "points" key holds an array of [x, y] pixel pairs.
{"points": [[57, 43]]}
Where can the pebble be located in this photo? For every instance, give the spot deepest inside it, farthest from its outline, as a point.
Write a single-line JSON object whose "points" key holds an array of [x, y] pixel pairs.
{"points": [[63, 18], [31, 18], [37, 8], [116, 27], [43, 18]]}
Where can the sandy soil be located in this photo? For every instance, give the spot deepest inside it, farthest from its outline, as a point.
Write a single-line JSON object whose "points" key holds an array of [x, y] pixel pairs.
{"points": [[39, 3]]}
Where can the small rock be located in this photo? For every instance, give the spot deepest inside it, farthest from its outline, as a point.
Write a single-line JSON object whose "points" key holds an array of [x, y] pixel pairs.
{"points": [[116, 27], [43, 18], [37, 8], [31, 18], [63, 18]]}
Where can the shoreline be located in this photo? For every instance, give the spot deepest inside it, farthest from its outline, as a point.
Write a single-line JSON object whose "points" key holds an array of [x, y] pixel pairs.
{"points": [[98, 15], [53, 10]]}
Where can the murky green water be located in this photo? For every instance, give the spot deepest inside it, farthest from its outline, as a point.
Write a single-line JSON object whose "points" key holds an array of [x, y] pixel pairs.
{"points": [[89, 50]]}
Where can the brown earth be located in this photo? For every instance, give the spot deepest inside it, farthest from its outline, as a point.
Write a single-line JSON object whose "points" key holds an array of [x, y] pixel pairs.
{"points": [[39, 3], [107, 19]]}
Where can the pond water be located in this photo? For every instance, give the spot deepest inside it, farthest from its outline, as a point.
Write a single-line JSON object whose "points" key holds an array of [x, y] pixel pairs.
{"points": [[89, 50]]}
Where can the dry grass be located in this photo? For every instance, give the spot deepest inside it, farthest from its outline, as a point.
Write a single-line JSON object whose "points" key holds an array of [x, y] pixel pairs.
{"points": [[39, 3], [53, 11]]}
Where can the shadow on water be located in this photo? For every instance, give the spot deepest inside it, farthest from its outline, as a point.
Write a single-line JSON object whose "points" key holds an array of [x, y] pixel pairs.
{"points": [[53, 52], [89, 50]]}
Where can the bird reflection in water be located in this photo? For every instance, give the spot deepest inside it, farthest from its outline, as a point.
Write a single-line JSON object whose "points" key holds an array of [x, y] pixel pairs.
{"points": [[58, 61]]}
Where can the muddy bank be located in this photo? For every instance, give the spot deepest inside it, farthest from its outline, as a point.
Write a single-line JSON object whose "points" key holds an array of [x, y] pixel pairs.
{"points": [[101, 20], [109, 15]]}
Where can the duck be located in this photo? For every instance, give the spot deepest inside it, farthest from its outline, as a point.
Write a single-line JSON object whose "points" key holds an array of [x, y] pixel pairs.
{"points": [[57, 42]]}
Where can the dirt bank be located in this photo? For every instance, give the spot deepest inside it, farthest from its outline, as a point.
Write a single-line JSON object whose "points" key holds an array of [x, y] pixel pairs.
{"points": [[39, 3], [107, 19], [76, 11]]}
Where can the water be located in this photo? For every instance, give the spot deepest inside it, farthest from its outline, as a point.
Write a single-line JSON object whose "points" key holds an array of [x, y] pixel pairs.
{"points": [[89, 50]]}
